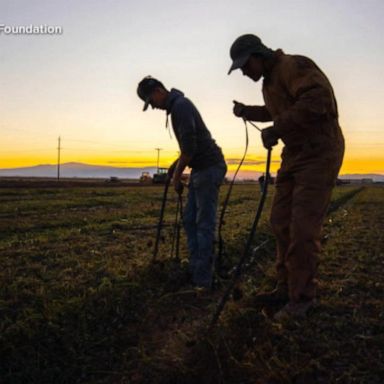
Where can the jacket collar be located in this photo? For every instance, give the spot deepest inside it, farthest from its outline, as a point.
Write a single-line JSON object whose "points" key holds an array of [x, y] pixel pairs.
{"points": [[272, 63], [173, 95]]}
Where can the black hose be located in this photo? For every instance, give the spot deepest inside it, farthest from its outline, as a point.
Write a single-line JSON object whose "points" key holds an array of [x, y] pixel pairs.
{"points": [[219, 258], [238, 269]]}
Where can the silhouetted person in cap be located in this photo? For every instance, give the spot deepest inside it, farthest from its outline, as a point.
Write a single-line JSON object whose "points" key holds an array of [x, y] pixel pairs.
{"points": [[300, 102], [201, 153]]}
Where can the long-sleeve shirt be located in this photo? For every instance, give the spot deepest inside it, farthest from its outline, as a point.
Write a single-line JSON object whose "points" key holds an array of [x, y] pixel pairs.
{"points": [[191, 132]]}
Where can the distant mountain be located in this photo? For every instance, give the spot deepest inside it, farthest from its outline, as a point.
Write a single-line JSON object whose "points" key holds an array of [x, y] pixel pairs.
{"points": [[79, 170], [82, 170]]}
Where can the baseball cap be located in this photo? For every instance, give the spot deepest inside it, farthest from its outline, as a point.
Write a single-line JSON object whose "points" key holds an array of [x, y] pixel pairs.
{"points": [[245, 46], [145, 89]]}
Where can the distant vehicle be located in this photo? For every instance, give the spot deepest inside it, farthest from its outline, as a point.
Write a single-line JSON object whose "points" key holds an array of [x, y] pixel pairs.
{"points": [[262, 180], [342, 182], [161, 176], [145, 178], [113, 179]]}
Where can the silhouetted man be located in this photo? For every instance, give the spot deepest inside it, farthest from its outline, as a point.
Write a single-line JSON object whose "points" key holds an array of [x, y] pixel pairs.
{"points": [[201, 153], [299, 99]]}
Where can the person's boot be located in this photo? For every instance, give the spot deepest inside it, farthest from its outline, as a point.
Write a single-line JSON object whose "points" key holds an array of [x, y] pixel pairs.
{"points": [[297, 310], [278, 295]]}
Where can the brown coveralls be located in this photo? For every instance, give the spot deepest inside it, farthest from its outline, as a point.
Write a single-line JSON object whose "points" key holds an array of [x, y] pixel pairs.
{"points": [[300, 101]]}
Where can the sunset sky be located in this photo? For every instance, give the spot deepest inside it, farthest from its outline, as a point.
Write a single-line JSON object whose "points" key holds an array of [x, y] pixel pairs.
{"points": [[81, 84]]}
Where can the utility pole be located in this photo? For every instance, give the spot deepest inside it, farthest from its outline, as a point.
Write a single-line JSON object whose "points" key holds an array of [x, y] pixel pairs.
{"points": [[158, 157], [58, 159]]}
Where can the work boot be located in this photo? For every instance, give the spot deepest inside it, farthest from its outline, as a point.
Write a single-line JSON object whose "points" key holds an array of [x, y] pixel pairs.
{"points": [[276, 296], [297, 310]]}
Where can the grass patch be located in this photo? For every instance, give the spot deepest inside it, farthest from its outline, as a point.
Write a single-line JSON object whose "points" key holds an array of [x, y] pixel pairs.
{"points": [[80, 301]]}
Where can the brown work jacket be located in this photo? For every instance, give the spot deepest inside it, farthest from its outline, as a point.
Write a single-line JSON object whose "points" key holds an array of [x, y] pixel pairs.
{"points": [[300, 100]]}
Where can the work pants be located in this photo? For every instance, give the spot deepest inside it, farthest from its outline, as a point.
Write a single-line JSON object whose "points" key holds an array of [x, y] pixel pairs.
{"points": [[200, 220], [303, 191]]}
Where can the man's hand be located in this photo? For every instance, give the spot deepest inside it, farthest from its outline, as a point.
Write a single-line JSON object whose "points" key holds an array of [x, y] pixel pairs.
{"points": [[238, 109], [270, 137], [182, 162], [178, 185]]}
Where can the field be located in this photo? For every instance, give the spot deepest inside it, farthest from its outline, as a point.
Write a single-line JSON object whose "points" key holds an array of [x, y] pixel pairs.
{"points": [[82, 302]]}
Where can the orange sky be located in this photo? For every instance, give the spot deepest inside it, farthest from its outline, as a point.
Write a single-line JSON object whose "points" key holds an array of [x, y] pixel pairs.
{"points": [[367, 164]]}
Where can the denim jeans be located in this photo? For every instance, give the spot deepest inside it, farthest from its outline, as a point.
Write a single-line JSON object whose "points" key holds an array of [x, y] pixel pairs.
{"points": [[200, 221]]}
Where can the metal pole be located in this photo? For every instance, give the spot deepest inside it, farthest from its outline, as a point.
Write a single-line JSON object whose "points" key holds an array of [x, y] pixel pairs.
{"points": [[160, 223], [158, 158], [238, 269], [58, 159]]}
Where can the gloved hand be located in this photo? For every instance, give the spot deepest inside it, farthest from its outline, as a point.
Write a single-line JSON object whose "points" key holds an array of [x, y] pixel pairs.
{"points": [[238, 109], [178, 186], [270, 137]]}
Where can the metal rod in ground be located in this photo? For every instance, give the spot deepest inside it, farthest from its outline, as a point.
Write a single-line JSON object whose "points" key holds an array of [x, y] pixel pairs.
{"points": [[180, 219], [161, 218], [177, 254], [227, 293], [175, 231], [247, 248]]}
